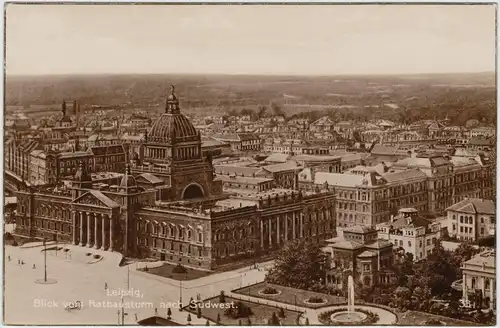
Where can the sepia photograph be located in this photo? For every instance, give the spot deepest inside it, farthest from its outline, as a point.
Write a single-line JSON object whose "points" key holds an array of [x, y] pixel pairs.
{"points": [[177, 164]]}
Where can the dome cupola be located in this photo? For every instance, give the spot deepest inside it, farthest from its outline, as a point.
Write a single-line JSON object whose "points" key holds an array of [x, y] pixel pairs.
{"points": [[172, 126], [128, 181]]}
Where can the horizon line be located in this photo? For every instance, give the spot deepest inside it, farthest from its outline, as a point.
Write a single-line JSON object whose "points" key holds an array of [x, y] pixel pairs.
{"points": [[252, 74]]}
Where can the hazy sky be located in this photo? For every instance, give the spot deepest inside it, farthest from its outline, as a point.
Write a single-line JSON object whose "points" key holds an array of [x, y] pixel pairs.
{"points": [[250, 39]]}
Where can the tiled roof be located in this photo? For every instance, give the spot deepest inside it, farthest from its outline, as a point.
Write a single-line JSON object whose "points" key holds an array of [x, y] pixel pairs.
{"points": [[474, 206], [347, 245], [281, 167], [401, 222], [325, 120], [338, 179], [379, 244], [359, 229], [237, 170], [404, 175], [151, 178], [367, 254], [482, 142], [277, 158], [486, 258], [383, 150], [246, 180]]}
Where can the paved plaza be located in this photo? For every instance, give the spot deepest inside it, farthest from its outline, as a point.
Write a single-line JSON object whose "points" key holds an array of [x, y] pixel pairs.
{"points": [[27, 302]]}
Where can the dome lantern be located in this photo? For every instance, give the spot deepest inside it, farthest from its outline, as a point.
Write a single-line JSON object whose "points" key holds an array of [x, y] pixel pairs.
{"points": [[172, 105]]}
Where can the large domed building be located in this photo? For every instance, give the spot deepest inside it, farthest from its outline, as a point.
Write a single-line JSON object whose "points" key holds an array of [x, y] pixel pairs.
{"points": [[172, 152]]}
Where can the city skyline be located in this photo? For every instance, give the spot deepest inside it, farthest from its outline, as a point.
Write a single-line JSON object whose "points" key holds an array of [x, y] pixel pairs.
{"points": [[221, 40]]}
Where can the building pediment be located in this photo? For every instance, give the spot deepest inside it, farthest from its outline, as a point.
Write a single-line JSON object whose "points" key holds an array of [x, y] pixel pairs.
{"points": [[95, 198]]}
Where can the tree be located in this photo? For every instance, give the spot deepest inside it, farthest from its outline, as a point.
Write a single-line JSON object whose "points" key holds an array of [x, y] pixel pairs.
{"points": [[262, 112], [464, 252], [439, 270], [402, 299], [222, 297], [277, 110], [300, 264], [169, 313], [239, 310], [274, 321]]}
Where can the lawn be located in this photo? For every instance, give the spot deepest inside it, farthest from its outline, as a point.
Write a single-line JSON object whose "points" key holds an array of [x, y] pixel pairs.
{"points": [[415, 318], [261, 313], [291, 295], [166, 271]]}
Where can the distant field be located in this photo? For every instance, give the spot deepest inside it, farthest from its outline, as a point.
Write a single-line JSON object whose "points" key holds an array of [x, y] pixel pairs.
{"points": [[456, 93]]}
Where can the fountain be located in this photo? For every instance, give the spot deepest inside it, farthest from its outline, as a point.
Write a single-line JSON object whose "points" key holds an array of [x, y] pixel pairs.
{"points": [[351, 316]]}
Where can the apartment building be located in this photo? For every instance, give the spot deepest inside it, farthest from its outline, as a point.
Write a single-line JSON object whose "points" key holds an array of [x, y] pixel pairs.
{"points": [[471, 219], [411, 232]]}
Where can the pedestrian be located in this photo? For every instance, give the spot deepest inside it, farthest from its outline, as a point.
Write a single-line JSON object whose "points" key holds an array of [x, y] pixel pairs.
{"points": [[22, 262], [105, 286], [156, 311], [8, 257], [19, 261], [34, 266], [135, 315]]}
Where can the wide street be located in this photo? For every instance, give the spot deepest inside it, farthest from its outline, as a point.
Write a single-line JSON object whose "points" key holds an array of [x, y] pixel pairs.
{"points": [[28, 302]]}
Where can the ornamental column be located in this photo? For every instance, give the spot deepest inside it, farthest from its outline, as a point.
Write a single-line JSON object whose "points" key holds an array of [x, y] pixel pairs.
{"points": [[465, 296], [82, 229], [111, 230], [73, 218], [301, 225], [103, 233], [278, 237], [492, 290], [270, 226], [293, 225], [483, 285], [89, 230], [261, 234], [286, 227], [96, 231]]}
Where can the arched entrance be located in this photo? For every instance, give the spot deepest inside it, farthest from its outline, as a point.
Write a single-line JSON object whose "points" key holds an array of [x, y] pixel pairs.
{"points": [[194, 190]]}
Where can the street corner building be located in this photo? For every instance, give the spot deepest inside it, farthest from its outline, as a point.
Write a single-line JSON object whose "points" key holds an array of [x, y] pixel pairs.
{"points": [[168, 204]]}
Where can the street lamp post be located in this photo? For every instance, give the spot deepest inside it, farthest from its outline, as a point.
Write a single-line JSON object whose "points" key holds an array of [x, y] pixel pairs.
{"points": [[180, 295], [45, 259]]}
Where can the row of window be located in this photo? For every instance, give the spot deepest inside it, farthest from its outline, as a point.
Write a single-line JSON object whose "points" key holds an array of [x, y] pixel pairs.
{"points": [[170, 246], [169, 231]]}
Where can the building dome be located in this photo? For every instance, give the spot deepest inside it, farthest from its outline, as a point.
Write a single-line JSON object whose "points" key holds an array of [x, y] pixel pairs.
{"points": [[128, 180], [172, 125]]}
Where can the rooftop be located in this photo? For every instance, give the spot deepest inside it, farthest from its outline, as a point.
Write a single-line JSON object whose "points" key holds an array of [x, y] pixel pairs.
{"points": [[474, 206], [485, 259]]}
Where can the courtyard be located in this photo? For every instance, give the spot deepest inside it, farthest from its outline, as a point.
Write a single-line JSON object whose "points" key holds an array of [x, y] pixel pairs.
{"points": [[261, 312], [77, 281], [169, 271], [292, 296]]}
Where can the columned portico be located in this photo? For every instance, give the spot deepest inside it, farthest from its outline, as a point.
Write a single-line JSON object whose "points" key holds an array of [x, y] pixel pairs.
{"points": [[92, 229]]}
